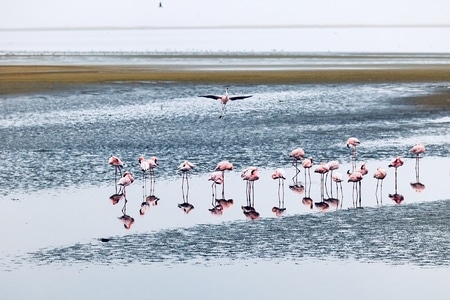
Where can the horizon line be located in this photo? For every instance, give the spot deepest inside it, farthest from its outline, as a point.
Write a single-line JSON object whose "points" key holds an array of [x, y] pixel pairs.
{"points": [[197, 27]]}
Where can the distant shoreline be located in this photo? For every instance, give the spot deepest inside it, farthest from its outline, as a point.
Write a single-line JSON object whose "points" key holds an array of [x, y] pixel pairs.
{"points": [[20, 79]]}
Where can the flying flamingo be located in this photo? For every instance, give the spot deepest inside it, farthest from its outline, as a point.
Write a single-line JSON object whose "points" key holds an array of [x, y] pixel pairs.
{"points": [[250, 175], [356, 178], [118, 166], [353, 143], [185, 167], [379, 175], [297, 155], [222, 167], [279, 174], [224, 99]]}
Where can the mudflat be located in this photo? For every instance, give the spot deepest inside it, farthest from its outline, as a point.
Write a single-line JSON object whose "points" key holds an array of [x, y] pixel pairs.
{"points": [[17, 79]]}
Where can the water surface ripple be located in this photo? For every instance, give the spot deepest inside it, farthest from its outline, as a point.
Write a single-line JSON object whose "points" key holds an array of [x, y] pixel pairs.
{"points": [[64, 139], [415, 234]]}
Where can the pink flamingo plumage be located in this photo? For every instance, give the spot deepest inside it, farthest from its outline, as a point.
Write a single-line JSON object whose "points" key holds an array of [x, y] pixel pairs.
{"points": [[223, 166], [279, 174], [224, 99], [297, 155], [355, 177], [353, 143], [379, 175]]}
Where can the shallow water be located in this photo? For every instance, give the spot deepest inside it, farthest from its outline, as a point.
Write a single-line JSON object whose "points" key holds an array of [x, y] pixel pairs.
{"points": [[55, 206], [64, 139]]}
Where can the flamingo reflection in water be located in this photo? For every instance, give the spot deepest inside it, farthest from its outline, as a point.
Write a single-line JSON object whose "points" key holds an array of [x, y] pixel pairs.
{"points": [[322, 169], [250, 175], [279, 174], [127, 220], [148, 166], [417, 149], [396, 163], [185, 167], [379, 175]]}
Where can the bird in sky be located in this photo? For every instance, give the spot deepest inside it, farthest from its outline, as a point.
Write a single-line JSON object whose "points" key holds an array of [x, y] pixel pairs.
{"points": [[224, 99]]}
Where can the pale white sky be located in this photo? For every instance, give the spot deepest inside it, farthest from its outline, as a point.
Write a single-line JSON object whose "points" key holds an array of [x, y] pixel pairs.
{"points": [[131, 13]]}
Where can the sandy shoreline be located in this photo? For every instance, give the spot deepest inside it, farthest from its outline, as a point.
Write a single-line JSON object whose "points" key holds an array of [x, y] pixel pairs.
{"points": [[19, 79]]}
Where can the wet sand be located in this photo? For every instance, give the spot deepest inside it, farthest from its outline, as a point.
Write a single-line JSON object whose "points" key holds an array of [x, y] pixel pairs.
{"points": [[20, 79]]}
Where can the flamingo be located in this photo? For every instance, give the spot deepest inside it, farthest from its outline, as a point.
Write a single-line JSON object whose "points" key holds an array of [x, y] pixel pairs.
{"points": [[223, 166], [307, 164], [322, 169], [332, 166], [417, 149], [217, 178], [356, 178], [379, 175], [296, 154], [250, 175], [353, 142], [118, 166], [145, 167], [224, 99], [396, 163], [279, 174], [185, 167], [337, 178], [125, 181]]}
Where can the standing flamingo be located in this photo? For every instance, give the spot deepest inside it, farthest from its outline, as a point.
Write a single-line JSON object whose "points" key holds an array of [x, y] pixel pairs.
{"points": [[224, 99], [379, 175], [185, 167], [353, 143], [250, 175], [307, 164], [332, 165], [145, 167], [396, 163], [297, 155], [417, 149], [118, 166], [337, 178], [123, 182], [322, 169], [279, 174], [356, 178], [217, 178], [223, 166]]}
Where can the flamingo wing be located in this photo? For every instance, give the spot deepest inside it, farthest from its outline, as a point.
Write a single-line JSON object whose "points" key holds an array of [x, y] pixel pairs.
{"points": [[215, 97], [240, 97]]}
